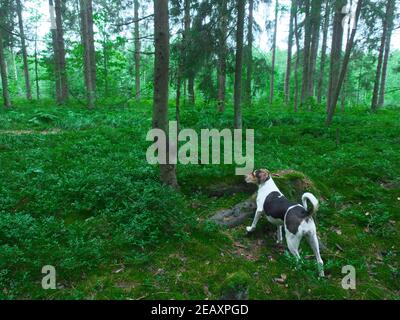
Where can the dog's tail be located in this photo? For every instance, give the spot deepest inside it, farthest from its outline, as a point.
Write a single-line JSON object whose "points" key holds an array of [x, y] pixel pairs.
{"points": [[314, 201]]}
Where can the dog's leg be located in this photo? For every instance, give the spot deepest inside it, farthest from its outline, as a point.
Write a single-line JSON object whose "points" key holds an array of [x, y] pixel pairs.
{"points": [[255, 222], [313, 241], [279, 235], [293, 242]]}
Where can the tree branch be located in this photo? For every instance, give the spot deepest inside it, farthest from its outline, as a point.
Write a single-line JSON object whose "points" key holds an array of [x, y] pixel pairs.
{"points": [[127, 23]]}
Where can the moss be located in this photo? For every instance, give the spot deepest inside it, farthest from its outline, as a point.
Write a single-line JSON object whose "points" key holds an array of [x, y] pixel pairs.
{"points": [[294, 184], [236, 286]]}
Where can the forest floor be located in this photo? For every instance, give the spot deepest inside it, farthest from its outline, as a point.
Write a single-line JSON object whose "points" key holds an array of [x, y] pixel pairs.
{"points": [[76, 193]]}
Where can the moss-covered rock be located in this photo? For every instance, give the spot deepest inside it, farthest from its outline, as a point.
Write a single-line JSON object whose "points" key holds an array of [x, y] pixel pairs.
{"points": [[236, 286], [293, 185]]}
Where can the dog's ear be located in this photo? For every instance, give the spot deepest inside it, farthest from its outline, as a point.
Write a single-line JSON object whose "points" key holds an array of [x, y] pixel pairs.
{"points": [[263, 176]]}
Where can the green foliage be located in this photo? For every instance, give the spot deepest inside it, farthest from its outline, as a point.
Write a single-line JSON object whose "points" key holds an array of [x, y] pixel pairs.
{"points": [[76, 192]]}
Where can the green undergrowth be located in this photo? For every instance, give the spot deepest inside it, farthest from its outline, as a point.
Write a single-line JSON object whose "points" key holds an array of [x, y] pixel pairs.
{"points": [[77, 193]]}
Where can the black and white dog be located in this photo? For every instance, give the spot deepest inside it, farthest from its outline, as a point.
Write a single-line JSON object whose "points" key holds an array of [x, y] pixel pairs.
{"points": [[297, 219]]}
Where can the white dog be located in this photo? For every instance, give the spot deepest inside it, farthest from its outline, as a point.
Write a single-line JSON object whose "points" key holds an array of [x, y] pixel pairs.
{"points": [[297, 219]]}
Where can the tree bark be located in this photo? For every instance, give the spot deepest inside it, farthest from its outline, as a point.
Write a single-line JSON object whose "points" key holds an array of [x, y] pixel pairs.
{"points": [[296, 67], [191, 76], [336, 49], [323, 50], [37, 71], [64, 92], [378, 75], [345, 64], [343, 96], [222, 53], [390, 17], [306, 51], [293, 11], [14, 70], [105, 65], [239, 64], [56, 52], [4, 76], [161, 77], [137, 51], [315, 26], [249, 54], [89, 51], [272, 82], [24, 52]]}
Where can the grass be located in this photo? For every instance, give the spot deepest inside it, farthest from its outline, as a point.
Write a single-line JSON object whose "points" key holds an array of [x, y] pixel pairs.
{"points": [[76, 192]]}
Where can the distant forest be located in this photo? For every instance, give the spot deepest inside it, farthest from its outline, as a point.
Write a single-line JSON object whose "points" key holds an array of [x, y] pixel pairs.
{"points": [[103, 51]]}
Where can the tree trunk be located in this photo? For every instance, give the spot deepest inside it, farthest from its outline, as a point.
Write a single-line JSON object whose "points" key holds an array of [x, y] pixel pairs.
{"points": [[37, 71], [345, 64], [105, 65], [188, 22], [161, 74], [222, 53], [137, 51], [239, 64], [323, 51], [296, 67], [64, 92], [390, 17], [57, 76], [192, 97], [336, 49], [89, 52], [24, 52], [293, 11], [343, 96], [378, 75], [14, 70], [315, 27], [306, 51], [249, 54], [272, 83], [4, 76]]}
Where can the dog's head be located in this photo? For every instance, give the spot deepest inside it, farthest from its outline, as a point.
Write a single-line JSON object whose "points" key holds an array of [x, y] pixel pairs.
{"points": [[258, 177]]}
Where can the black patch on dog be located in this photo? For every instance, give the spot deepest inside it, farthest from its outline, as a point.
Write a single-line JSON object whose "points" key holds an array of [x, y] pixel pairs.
{"points": [[275, 206], [257, 174], [294, 218]]}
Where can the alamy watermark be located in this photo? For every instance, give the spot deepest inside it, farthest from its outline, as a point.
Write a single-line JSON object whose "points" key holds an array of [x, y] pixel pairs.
{"points": [[49, 280], [196, 149], [349, 281]]}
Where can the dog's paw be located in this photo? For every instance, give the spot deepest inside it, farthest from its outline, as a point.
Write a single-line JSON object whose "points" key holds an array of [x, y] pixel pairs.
{"points": [[250, 229]]}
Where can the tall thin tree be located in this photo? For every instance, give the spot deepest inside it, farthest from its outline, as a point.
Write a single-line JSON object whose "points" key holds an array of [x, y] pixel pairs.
{"points": [[191, 75], [222, 54], [297, 64], [390, 19], [306, 51], [293, 10], [249, 53], [3, 71], [344, 67], [239, 64], [272, 81], [336, 50], [24, 51], [378, 74], [161, 77], [86, 11], [64, 91], [137, 50], [321, 75]]}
